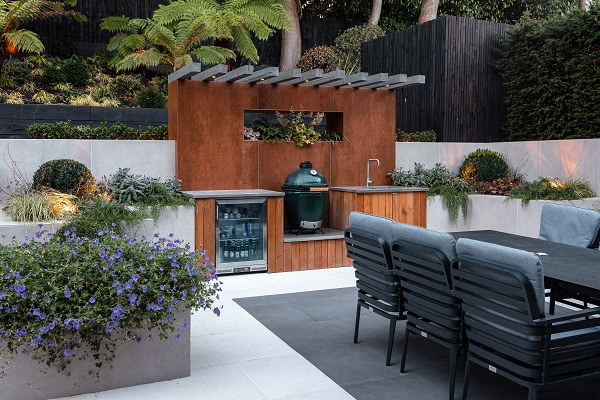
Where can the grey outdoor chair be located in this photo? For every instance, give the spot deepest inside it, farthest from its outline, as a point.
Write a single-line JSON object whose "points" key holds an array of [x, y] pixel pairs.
{"points": [[570, 225], [508, 332], [422, 260], [368, 245], [574, 226]]}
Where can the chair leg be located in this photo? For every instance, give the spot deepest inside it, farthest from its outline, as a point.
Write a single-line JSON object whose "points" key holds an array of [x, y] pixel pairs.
{"points": [[466, 381], [391, 333], [356, 323], [405, 350], [552, 302], [532, 393], [453, 361]]}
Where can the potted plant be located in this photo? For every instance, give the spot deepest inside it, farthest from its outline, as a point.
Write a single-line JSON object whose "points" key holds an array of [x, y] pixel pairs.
{"points": [[68, 299]]}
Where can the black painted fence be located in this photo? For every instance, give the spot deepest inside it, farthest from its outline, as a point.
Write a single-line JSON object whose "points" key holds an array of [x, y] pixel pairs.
{"points": [[463, 97], [15, 118]]}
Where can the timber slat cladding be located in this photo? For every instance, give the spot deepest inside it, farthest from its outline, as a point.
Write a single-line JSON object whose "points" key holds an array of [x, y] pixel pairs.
{"points": [[406, 207], [317, 254], [275, 256], [205, 227]]}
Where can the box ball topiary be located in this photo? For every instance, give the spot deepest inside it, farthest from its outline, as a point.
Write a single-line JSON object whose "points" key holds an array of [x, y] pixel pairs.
{"points": [[67, 176], [483, 165], [76, 73], [53, 76]]}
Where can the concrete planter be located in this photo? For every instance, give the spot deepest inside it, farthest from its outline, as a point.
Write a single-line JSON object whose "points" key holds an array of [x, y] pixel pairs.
{"points": [[135, 364], [498, 213]]}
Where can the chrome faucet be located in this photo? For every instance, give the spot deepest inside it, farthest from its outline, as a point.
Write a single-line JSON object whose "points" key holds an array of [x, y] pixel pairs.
{"points": [[369, 181]]}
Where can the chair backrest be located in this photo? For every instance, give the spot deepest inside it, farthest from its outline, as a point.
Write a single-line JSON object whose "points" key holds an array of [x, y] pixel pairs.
{"points": [[570, 225], [424, 272], [504, 278], [375, 225]]}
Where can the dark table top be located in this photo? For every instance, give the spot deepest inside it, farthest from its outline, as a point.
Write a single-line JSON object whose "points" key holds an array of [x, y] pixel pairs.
{"points": [[562, 263]]}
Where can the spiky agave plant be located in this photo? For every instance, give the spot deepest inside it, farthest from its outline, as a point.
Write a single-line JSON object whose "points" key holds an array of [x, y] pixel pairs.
{"points": [[177, 31]]}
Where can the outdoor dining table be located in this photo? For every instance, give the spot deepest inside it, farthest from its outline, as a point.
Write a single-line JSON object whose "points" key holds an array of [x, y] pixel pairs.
{"points": [[572, 268]]}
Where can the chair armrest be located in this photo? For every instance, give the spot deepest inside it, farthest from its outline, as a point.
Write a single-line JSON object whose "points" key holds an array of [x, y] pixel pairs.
{"points": [[567, 317]]}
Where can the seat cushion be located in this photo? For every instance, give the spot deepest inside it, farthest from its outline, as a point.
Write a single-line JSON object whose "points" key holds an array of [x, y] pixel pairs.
{"points": [[441, 241], [527, 263], [569, 225]]}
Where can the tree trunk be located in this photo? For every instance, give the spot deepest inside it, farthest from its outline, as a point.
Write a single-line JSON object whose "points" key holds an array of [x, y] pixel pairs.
{"points": [[429, 10], [291, 41], [584, 4], [375, 12]]}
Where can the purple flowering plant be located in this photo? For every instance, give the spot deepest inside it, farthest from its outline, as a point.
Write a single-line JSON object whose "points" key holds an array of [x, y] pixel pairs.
{"points": [[74, 298]]}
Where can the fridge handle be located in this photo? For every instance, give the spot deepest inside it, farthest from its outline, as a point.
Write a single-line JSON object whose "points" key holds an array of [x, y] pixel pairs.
{"points": [[217, 211]]}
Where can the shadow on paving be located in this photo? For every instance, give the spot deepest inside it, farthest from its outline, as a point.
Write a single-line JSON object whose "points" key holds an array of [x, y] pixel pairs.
{"points": [[319, 325]]}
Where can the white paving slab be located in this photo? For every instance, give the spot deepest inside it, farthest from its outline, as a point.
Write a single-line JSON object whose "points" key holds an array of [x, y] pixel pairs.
{"points": [[235, 357]]}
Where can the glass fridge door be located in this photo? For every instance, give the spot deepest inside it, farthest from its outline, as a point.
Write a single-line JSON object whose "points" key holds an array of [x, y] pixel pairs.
{"points": [[241, 235]]}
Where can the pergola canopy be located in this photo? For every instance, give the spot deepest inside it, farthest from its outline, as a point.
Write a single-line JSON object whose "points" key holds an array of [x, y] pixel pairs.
{"points": [[315, 77]]}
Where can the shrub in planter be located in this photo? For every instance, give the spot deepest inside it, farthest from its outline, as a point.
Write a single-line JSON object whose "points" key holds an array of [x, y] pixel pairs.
{"points": [[17, 70], [54, 75], [151, 97], [105, 289], [422, 136], [483, 165], [67, 176], [28, 205], [76, 73], [552, 189]]}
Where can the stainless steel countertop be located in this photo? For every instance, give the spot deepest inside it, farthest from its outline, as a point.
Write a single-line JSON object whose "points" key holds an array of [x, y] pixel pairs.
{"points": [[377, 189], [231, 194]]}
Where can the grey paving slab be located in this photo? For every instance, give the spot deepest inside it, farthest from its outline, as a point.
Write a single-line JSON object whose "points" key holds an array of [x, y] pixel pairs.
{"points": [[360, 368]]}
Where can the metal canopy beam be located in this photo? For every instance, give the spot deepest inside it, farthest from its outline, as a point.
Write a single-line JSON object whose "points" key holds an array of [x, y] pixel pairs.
{"points": [[185, 72], [284, 76], [261, 75], [369, 81], [211, 74], [315, 77], [411, 81], [306, 77], [236, 74], [333, 76], [350, 79]]}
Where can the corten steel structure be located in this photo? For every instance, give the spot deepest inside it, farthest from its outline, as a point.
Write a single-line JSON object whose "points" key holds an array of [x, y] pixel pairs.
{"points": [[206, 118]]}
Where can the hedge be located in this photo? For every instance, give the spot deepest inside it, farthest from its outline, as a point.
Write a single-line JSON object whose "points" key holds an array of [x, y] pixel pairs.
{"points": [[552, 68], [64, 130]]}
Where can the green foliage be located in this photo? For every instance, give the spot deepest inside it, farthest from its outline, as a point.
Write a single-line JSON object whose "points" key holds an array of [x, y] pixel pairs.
{"points": [[151, 97], [177, 31], [54, 75], [29, 206], [552, 189], [98, 213], [67, 176], [483, 165], [318, 57], [6, 82], [498, 187], [64, 130], [17, 70], [347, 46], [551, 68], [142, 191], [106, 290], [76, 72], [63, 48], [441, 182], [422, 136]]}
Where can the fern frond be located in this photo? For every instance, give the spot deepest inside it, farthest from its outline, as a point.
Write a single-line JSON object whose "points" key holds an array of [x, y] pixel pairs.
{"points": [[115, 24], [244, 45], [25, 40], [130, 62], [212, 55]]}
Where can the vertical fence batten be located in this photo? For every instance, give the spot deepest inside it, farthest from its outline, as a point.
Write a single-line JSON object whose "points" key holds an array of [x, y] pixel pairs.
{"points": [[463, 97]]}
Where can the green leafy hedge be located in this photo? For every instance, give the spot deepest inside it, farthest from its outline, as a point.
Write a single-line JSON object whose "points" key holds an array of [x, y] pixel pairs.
{"points": [[64, 130], [552, 68]]}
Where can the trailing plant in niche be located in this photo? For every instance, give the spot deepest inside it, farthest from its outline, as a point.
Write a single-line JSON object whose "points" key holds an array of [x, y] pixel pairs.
{"points": [[453, 190], [106, 289]]}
